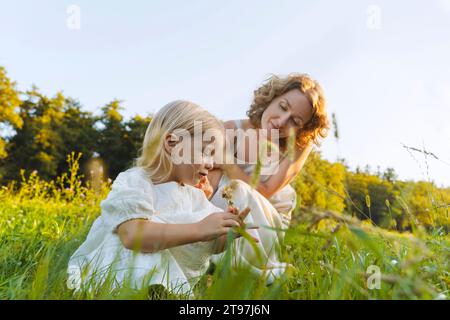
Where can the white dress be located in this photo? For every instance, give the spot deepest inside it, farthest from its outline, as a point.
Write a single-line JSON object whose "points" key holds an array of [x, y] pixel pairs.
{"points": [[272, 226], [134, 196], [284, 200], [268, 214]]}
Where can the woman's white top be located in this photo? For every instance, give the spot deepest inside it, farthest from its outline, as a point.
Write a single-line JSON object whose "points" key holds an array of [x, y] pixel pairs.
{"points": [[285, 199], [134, 196]]}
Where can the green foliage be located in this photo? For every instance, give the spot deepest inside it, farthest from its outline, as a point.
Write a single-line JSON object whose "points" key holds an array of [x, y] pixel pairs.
{"points": [[360, 186], [382, 199], [119, 141], [43, 222], [321, 184], [39, 143], [47, 129], [9, 102], [426, 203]]}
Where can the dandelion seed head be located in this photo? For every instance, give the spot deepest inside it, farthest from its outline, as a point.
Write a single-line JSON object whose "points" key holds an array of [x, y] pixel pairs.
{"points": [[441, 296]]}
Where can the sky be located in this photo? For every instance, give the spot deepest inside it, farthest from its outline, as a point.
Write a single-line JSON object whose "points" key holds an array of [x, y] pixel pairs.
{"points": [[384, 65]]}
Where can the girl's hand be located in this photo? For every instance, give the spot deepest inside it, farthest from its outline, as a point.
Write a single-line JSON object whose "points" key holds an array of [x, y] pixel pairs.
{"points": [[205, 186], [219, 224], [216, 225]]}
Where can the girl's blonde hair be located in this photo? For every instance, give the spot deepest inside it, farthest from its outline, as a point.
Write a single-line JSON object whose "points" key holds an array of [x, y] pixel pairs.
{"points": [[275, 86], [176, 115]]}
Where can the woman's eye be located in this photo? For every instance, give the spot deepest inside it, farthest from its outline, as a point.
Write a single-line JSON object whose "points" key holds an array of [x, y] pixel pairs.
{"points": [[283, 106], [298, 122]]}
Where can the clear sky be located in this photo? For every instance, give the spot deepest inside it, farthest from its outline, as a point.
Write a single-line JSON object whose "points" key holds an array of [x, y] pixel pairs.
{"points": [[384, 65]]}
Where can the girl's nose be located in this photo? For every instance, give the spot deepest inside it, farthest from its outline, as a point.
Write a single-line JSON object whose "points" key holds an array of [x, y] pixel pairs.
{"points": [[209, 163], [208, 166]]}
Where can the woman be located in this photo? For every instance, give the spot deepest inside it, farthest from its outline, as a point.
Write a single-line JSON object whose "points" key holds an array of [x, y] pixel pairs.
{"points": [[291, 105]]}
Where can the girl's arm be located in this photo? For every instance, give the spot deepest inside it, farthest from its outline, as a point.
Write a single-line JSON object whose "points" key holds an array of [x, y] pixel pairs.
{"points": [[286, 172], [148, 236]]}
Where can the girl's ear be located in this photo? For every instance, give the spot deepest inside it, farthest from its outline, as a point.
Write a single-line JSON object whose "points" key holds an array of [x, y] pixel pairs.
{"points": [[170, 142]]}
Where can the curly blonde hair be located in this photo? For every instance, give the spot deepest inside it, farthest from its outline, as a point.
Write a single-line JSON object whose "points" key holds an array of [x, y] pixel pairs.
{"points": [[274, 87]]}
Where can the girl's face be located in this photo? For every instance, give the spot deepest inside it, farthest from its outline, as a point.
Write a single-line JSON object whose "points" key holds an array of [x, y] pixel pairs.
{"points": [[201, 162], [192, 173], [288, 111]]}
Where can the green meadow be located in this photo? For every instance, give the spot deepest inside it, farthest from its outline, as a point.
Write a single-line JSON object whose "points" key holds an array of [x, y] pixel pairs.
{"points": [[334, 255]]}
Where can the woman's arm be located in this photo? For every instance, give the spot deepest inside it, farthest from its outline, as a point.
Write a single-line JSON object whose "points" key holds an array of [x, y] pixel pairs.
{"points": [[148, 236], [287, 170]]}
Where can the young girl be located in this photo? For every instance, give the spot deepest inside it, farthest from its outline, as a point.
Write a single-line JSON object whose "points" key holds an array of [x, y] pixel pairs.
{"points": [[155, 227], [292, 105]]}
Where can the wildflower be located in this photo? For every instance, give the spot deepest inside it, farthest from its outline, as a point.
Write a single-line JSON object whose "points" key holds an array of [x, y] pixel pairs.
{"points": [[227, 194]]}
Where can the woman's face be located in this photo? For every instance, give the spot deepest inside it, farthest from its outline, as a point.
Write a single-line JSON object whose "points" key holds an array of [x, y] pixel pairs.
{"points": [[290, 110]]}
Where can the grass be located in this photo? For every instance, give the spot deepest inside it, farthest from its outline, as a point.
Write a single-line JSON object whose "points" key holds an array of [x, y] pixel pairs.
{"points": [[333, 255]]}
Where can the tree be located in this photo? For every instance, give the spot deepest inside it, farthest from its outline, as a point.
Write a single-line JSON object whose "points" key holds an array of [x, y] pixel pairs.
{"points": [[321, 184], [136, 128], [78, 133], [368, 196], [114, 144], [9, 103], [119, 141], [36, 145], [390, 175]]}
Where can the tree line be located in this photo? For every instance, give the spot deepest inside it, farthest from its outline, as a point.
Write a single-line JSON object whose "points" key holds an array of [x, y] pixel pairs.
{"points": [[379, 196], [38, 132]]}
